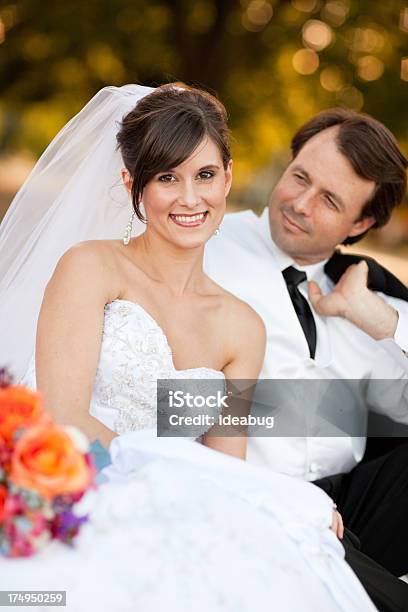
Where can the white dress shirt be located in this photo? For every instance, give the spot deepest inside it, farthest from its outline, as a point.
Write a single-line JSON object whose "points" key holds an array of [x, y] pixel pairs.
{"points": [[244, 260]]}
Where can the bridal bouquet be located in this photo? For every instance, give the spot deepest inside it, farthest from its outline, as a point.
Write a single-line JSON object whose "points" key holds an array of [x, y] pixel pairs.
{"points": [[44, 470]]}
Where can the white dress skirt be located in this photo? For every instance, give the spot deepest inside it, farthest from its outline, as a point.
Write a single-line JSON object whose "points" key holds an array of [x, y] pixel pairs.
{"points": [[177, 526]]}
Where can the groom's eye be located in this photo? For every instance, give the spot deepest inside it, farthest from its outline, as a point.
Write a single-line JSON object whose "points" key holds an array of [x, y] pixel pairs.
{"points": [[331, 203]]}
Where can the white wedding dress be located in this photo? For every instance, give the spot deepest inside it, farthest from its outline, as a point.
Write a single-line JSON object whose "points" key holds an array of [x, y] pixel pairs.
{"points": [[177, 526]]}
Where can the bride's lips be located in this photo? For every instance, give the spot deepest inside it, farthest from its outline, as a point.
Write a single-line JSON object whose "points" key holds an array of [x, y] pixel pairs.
{"points": [[293, 227], [189, 220]]}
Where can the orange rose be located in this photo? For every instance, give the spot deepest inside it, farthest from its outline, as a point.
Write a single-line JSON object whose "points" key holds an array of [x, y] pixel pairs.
{"points": [[19, 407], [3, 495], [46, 459]]}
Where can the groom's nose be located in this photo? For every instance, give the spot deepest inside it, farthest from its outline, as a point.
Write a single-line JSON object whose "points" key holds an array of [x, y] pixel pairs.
{"points": [[303, 203]]}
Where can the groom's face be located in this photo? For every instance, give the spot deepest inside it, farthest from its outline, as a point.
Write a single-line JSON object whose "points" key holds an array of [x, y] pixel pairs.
{"points": [[318, 201]]}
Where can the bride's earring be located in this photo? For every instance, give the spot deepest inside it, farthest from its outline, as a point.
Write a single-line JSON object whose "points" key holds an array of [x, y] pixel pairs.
{"points": [[217, 232], [128, 232]]}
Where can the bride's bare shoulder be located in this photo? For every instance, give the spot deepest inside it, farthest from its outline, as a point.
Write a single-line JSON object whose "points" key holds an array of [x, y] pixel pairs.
{"points": [[236, 314], [93, 253], [242, 316], [93, 262], [243, 337]]}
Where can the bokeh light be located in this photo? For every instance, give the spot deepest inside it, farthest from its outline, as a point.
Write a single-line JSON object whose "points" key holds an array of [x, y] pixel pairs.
{"points": [[257, 15], [37, 47], [404, 20], [101, 59], [364, 40], [305, 61], [404, 69], [316, 34], [331, 78], [351, 97], [335, 12], [259, 12], [305, 6], [9, 16], [370, 68]]}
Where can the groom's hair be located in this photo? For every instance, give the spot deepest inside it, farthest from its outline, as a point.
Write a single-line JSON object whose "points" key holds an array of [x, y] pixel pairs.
{"points": [[165, 128], [373, 153]]}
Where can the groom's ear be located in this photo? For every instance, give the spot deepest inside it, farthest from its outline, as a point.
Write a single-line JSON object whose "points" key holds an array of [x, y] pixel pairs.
{"points": [[228, 178], [127, 180], [361, 226]]}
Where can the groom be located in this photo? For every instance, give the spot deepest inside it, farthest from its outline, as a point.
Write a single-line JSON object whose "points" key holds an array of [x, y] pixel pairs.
{"points": [[332, 316]]}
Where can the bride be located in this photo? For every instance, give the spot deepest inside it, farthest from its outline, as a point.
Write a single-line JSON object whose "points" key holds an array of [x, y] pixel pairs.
{"points": [[175, 524], [150, 289]]}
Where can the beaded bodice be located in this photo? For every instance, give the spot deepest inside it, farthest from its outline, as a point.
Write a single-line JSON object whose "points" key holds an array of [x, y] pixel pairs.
{"points": [[134, 354]]}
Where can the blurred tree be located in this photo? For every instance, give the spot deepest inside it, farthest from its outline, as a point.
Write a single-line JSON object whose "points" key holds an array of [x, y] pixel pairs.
{"points": [[272, 62]]}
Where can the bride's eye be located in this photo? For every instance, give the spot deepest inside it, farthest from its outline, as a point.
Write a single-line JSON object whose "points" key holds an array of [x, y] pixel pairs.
{"points": [[166, 178], [206, 174]]}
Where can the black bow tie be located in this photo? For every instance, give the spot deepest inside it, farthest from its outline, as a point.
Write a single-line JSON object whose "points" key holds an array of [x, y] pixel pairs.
{"points": [[379, 278], [293, 278]]}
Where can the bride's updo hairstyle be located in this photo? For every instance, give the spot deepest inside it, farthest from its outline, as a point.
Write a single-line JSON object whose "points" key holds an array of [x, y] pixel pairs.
{"points": [[164, 129]]}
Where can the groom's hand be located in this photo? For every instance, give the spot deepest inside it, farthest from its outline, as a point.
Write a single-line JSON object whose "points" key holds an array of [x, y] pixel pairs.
{"points": [[337, 524], [352, 300]]}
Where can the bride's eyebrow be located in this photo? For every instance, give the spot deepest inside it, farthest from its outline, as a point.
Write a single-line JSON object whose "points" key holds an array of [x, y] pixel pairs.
{"points": [[206, 167], [209, 167]]}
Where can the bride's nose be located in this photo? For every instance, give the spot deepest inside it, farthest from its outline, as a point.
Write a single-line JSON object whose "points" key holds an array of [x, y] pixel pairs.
{"points": [[189, 195]]}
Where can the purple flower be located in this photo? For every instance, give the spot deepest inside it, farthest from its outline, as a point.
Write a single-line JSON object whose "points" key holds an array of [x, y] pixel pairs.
{"points": [[66, 525], [6, 379]]}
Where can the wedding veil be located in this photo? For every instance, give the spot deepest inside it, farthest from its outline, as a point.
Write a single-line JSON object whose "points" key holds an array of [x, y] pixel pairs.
{"points": [[73, 193]]}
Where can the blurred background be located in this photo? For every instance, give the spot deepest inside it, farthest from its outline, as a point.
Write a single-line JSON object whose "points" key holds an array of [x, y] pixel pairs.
{"points": [[273, 63]]}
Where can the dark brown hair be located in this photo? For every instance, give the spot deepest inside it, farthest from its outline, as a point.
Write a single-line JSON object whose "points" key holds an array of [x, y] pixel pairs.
{"points": [[373, 153], [164, 129]]}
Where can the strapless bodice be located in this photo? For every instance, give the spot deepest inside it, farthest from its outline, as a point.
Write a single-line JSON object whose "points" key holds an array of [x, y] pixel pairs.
{"points": [[134, 354]]}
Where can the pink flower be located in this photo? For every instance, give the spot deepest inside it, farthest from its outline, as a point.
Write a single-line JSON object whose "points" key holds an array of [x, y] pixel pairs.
{"points": [[3, 497]]}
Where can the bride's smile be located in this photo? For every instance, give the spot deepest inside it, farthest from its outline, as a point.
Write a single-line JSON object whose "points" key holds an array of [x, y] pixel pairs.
{"points": [[193, 220]]}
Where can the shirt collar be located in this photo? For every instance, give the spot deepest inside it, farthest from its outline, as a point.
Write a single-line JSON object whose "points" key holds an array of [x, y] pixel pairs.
{"points": [[313, 271]]}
